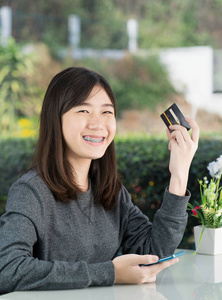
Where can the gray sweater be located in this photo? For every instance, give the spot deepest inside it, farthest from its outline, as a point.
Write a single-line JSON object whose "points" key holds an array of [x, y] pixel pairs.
{"points": [[47, 244]]}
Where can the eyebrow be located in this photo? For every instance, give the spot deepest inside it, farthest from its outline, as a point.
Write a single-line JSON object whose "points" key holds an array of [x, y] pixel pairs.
{"points": [[103, 105]]}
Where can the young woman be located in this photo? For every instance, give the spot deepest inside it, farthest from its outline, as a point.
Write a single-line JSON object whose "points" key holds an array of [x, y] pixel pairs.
{"points": [[68, 216]]}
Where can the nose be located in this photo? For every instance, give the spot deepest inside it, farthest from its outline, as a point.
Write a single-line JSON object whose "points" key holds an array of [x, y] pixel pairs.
{"points": [[95, 123]]}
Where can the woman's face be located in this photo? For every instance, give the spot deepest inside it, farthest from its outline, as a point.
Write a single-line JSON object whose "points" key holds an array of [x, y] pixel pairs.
{"points": [[89, 128]]}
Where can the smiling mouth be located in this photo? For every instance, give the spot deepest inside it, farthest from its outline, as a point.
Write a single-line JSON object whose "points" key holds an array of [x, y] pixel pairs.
{"points": [[93, 140]]}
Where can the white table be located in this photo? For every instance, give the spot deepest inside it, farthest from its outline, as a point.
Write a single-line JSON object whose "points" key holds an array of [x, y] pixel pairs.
{"points": [[193, 277]]}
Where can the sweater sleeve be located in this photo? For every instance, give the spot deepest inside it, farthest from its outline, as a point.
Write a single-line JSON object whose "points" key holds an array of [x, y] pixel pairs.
{"points": [[162, 236], [20, 231]]}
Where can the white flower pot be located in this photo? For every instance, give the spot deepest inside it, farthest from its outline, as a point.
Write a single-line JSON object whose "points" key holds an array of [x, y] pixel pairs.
{"points": [[211, 242]]}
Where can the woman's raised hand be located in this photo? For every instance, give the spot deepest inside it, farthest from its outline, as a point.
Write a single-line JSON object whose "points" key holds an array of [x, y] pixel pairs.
{"points": [[128, 271], [182, 146]]}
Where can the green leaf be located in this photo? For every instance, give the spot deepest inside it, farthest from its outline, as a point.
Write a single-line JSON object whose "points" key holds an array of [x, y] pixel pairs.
{"points": [[4, 71]]}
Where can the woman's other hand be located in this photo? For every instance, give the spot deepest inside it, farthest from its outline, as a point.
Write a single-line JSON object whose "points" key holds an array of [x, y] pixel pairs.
{"points": [[128, 271]]}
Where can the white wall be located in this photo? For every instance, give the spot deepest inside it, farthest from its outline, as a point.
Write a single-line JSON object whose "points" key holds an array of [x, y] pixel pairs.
{"points": [[191, 72]]}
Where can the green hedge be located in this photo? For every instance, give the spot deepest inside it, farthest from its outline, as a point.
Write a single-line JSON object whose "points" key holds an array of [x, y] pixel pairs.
{"points": [[16, 156], [142, 162]]}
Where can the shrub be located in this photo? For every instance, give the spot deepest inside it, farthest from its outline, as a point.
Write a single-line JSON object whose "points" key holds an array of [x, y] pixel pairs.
{"points": [[15, 158], [142, 163]]}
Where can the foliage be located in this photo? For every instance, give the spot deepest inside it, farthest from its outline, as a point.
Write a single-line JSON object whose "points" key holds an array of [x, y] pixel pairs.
{"points": [[209, 209], [146, 173], [16, 156], [173, 23], [17, 92], [183, 25], [146, 158], [103, 27]]}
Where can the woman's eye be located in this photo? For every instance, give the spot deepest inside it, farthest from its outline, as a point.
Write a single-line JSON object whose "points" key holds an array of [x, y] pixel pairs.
{"points": [[83, 111], [108, 112]]}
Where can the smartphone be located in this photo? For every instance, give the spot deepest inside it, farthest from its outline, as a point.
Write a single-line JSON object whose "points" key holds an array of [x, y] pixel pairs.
{"points": [[165, 258]]}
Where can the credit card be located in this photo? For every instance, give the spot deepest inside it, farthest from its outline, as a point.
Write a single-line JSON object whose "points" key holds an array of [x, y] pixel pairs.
{"points": [[173, 116]]}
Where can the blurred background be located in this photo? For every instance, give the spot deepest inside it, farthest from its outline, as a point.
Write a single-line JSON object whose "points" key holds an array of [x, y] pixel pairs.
{"points": [[153, 53]]}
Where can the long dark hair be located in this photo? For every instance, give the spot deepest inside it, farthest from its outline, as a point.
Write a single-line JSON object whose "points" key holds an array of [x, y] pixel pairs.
{"points": [[67, 89]]}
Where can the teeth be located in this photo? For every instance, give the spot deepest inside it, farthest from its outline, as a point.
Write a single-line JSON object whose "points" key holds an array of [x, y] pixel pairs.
{"points": [[95, 140]]}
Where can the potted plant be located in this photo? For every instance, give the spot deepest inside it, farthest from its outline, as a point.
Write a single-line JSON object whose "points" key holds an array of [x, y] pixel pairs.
{"points": [[208, 235]]}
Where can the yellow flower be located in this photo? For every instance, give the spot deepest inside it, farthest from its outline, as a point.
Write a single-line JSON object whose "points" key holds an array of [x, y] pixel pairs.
{"points": [[27, 133], [26, 128], [151, 183], [25, 123]]}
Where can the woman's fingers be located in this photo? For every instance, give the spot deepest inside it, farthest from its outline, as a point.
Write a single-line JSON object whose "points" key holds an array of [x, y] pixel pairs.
{"points": [[195, 129], [163, 265], [180, 135], [150, 272], [178, 129], [184, 131], [146, 259]]}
